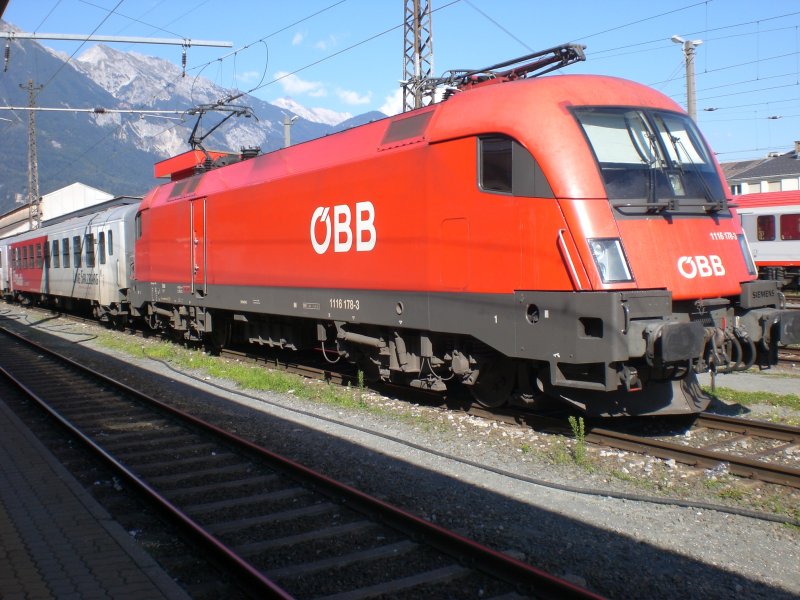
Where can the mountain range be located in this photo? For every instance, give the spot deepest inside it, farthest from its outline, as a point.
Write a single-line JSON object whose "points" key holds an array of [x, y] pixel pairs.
{"points": [[115, 152]]}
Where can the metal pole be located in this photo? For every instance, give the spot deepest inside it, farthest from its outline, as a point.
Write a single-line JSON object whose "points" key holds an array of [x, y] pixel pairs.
{"points": [[691, 100], [34, 214], [287, 124], [77, 37], [688, 58]]}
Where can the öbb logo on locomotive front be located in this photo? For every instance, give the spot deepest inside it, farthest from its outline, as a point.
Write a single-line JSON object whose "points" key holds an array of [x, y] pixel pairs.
{"points": [[341, 229], [704, 266]]}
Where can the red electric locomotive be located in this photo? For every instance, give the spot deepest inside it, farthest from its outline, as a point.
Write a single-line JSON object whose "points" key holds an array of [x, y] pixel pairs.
{"points": [[567, 236]]}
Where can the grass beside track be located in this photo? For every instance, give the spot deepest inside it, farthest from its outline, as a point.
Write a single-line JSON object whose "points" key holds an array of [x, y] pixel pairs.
{"points": [[247, 377], [791, 401]]}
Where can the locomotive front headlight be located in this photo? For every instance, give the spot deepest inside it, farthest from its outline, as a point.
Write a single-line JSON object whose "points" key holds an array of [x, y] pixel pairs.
{"points": [[748, 256], [610, 260]]}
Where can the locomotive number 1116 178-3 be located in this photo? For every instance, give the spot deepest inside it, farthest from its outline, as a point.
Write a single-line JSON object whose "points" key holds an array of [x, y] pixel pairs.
{"points": [[345, 303]]}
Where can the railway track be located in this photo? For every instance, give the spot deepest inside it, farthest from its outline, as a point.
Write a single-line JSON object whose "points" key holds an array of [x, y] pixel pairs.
{"points": [[744, 447], [282, 530], [757, 450], [789, 357]]}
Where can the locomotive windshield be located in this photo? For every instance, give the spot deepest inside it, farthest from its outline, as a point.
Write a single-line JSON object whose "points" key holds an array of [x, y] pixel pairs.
{"points": [[651, 159]]}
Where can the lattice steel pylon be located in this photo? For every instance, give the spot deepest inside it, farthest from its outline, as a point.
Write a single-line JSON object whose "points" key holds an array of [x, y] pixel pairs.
{"points": [[34, 214], [418, 54]]}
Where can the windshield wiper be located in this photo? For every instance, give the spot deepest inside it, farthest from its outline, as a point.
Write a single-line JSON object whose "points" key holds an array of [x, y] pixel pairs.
{"points": [[711, 204]]}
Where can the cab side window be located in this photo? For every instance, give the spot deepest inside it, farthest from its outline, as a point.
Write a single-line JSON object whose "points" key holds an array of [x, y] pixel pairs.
{"points": [[495, 164], [506, 167]]}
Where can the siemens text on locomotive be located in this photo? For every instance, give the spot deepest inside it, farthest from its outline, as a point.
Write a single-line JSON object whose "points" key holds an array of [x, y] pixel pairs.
{"points": [[567, 236]]}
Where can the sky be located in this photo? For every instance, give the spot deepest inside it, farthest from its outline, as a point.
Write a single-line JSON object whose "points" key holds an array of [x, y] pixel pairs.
{"points": [[347, 55]]}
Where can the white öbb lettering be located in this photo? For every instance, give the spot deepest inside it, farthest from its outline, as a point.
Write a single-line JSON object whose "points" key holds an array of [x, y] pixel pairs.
{"points": [[340, 228], [704, 266]]}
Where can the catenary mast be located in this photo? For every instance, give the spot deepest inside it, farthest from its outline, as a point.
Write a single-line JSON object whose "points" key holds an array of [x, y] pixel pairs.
{"points": [[418, 54]]}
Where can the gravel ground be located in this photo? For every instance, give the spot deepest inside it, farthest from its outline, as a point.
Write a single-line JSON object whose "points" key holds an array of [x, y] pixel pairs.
{"points": [[618, 548]]}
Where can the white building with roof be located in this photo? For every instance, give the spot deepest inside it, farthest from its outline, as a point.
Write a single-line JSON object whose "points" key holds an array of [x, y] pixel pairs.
{"points": [[55, 204]]}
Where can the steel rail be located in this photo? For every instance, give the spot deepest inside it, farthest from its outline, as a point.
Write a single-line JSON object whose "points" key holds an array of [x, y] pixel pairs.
{"points": [[253, 580], [777, 431], [697, 457], [485, 559]]}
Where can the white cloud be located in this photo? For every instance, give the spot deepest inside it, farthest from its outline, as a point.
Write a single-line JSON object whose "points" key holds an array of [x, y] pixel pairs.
{"points": [[393, 103], [353, 98], [248, 76], [293, 85], [298, 38], [326, 43]]}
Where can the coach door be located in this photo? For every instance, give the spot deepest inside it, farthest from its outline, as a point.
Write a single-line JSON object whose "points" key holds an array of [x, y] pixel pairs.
{"points": [[198, 243]]}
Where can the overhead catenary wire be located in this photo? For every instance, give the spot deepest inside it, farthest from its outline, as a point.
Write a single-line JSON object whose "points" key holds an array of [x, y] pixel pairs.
{"points": [[82, 154], [266, 37], [47, 16], [65, 63], [333, 55], [499, 26], [135, 20], [643, 20]]}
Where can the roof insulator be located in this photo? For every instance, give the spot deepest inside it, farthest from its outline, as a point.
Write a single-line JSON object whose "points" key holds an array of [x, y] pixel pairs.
{"points": [[183, 61], [7, 55]]}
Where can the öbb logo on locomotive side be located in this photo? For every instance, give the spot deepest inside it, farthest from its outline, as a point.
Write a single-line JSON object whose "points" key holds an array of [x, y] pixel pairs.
{"points": [[340, 228], [704, 266]]}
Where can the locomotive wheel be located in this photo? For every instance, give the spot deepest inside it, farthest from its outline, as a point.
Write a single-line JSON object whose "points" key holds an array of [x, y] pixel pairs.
{"points": [[494, 385]]}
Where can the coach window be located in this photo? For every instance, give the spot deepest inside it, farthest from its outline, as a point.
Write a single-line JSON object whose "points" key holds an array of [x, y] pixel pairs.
{"points": [[24, 257], [30, 256], [790, 227], [46, 248], [506, 167], [101, 247], [65, 252], [17, 261], [76, 251], [38, 256], [765, 226], [55, 260], [88, 243], [110, 243], [138, 225]]}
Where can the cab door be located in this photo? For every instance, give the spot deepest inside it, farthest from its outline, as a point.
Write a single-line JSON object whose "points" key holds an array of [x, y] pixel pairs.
{"points": [[198, 246]]}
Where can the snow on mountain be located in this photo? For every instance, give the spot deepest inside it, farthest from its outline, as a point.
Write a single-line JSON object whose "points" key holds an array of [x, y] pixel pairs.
{"points": [[315, 115], [140, 81], [145, 81]]}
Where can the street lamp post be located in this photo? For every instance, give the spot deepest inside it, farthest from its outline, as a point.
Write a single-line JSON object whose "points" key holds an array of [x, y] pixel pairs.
{"points": [[287, 123], [688, 53]]}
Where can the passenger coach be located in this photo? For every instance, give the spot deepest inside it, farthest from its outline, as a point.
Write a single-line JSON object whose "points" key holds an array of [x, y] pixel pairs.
{"points": [[771, 222], [76, 261]]}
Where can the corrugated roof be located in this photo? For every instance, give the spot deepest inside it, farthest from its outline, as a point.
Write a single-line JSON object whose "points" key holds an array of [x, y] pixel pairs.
{"points": [[784, 165]]}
